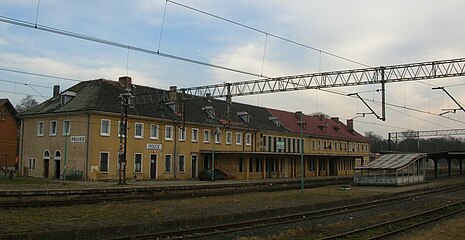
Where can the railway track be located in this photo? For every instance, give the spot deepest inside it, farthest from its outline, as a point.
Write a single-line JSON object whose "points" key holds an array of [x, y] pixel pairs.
{"points": [[202, 232], [392, 227]]}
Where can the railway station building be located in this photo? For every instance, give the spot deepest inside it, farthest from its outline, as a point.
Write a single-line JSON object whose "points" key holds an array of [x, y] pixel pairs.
{"points": [[174, 137]]}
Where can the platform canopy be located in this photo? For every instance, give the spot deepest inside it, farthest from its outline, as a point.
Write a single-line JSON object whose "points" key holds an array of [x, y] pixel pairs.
{"points": [[392, 161]]}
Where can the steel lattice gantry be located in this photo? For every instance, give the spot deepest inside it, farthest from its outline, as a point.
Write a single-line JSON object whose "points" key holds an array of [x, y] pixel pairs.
{"points": [[375, 75], [365, 76], [431, 133]]}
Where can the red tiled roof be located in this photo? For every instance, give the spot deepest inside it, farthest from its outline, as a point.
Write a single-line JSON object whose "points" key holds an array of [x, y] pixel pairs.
{"points": [[317, 126]]}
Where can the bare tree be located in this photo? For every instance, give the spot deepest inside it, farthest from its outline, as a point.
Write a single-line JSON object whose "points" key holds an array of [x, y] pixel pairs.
{"points": [[26, 103]]}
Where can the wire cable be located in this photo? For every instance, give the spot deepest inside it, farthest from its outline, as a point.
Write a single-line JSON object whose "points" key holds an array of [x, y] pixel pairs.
{"points": [[58, 31], [267, 33]]}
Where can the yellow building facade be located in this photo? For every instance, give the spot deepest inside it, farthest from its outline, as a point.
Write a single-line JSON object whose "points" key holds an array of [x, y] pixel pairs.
{"points": [[79, 134]]}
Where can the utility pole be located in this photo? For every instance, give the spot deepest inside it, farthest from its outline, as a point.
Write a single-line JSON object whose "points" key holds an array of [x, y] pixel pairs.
{"points": [[123, 138]]}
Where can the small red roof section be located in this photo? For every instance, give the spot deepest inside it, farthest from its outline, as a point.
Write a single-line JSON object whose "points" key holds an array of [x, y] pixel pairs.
{"points": [[316, 125]]}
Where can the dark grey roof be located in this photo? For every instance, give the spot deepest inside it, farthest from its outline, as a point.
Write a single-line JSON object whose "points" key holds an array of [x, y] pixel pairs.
{"points": [[103, 95]]}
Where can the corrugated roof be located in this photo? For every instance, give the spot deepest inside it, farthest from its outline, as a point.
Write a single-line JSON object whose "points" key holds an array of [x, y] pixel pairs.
{"points": [[392, 161]]}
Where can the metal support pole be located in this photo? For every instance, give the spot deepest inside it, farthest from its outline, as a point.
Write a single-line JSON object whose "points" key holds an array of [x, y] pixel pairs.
{"points": [[301, 156], [67, 132], [383, 95]]}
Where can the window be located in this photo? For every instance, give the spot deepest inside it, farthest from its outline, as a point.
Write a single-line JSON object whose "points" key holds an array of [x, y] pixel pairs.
{"points": [[53, 128], [238, 138], [228, 137], [138, 162], [217, 137], [139, 130], [32, 164], [104, 162], [121, 129], [40, 128], [168, 132], [154, 131], [181, 163], [105, 127], [248, 139], [206, 136], [195, 135], [3, 115], [66, 127], [167, 163], [182, 134]]}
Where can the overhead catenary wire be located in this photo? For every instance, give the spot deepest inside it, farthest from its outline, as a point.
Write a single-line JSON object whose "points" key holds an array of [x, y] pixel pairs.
{"points": [[62, 32], [268, 33]]}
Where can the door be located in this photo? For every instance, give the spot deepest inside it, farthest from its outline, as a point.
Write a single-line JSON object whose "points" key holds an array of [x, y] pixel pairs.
{"points": [[153, 166], [57, 169], [194, 166], [46, 168], [332, 168]]}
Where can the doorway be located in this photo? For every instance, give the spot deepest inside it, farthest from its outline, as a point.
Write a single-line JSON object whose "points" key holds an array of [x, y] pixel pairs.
{"points": [[57, 169], [194, 166], [46, 168], [153, 166], [332, 167]]}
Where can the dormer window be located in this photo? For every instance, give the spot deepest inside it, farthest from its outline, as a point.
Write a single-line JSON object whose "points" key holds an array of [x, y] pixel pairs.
{"points": [[275, 120], [302, 124], [209, 110], [245, 116], [172, 106], [66, 97]]}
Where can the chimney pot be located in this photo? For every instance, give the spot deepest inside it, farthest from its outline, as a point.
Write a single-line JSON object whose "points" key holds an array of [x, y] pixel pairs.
{"points": [[126, 82], [56, 90]]}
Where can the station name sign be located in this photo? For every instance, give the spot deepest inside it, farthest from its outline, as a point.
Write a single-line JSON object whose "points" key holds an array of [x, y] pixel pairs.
{"points": [[78, 139], [154, 146]]}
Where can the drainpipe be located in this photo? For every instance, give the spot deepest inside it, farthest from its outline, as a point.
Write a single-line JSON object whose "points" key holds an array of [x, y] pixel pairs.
{"points": [[87, 148], [174, 150], [21, 147]]}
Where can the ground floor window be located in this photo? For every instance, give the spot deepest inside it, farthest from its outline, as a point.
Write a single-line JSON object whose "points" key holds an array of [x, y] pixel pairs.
{"points": [[167, 163], [32, 164], [181, 163], [241, 163], [104, 162], [138, 162]]}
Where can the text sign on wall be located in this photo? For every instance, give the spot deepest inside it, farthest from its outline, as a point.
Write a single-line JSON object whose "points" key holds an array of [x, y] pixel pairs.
{"points": [[154, 146], [280, 145], [78, 139]]}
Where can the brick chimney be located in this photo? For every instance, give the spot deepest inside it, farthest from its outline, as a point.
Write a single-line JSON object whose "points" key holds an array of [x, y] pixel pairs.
{"points": [[350, 125], [56, 90], [125, 82], [173, 93]]}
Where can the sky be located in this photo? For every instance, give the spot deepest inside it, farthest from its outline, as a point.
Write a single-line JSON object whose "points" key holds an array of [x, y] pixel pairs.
{"points": [[373, 33]]}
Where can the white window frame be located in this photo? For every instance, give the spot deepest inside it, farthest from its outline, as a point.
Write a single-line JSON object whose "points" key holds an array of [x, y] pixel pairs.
{"points": [[170, 163], [182, 134], [195, 135], [169, 132], [108, 162], [154, 131], [32, 164], [248, 139], [40, 128], [141, 162], [53, 129], [206, 135], [68, 132], [108, 123], [141, 135], [179, 163], [228, 138], [238, 138]]}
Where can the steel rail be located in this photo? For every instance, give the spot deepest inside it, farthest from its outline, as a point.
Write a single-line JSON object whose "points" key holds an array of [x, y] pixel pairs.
{"points": [[281, 220], [428, 213]]}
